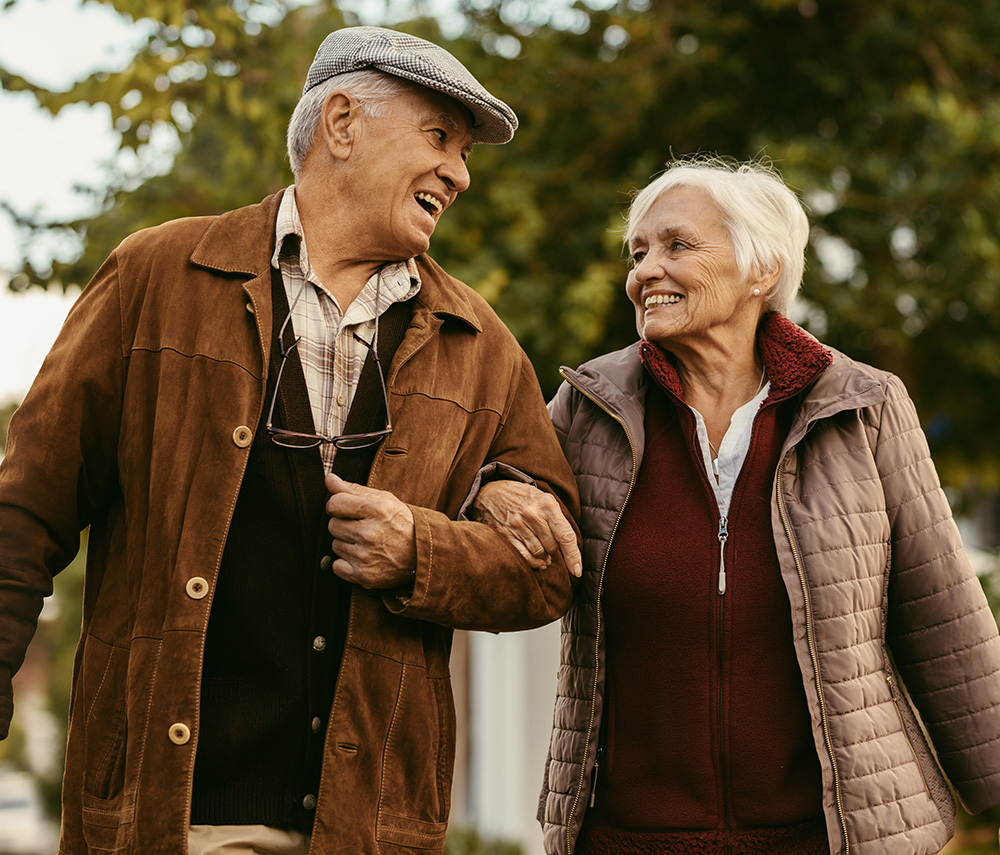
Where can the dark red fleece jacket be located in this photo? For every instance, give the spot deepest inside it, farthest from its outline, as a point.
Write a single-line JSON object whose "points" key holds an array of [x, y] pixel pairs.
{"points": [[706, 738]]}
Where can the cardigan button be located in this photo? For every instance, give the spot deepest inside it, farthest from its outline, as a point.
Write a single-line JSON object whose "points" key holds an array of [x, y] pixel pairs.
{"points": [[326, 563], [242, 436], [319, 644], [316, 724], [309, 802], [180, 733], [197, 587]]}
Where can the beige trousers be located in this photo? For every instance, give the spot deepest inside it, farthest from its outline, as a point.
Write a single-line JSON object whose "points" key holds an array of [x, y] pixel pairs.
{"points": [[245, 840]]}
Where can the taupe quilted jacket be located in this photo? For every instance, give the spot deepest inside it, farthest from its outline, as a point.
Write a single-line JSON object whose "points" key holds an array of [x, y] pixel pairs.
{"points": [[882, 594]]}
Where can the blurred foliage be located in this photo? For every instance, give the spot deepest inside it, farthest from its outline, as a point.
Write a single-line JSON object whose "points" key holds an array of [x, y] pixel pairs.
{"points": [[6, 411], [884, 116], [467, 841]]}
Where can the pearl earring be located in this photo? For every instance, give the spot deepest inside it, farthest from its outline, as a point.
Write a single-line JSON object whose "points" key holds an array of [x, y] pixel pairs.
{"points": [[756, 292]]}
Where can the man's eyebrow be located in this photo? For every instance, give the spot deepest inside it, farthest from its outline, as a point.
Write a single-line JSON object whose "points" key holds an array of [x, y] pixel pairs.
{"points": [[445, 119]]}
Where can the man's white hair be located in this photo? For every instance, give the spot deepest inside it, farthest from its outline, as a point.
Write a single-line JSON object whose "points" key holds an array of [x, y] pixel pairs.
{"points": [[372, 89], [765, 220]]}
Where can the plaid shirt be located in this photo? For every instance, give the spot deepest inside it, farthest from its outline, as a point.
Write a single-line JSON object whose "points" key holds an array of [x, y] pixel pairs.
{"points": [[331, 358]]}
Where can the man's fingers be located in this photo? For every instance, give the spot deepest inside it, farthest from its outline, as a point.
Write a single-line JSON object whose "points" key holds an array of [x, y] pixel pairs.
{"points": [[335, 484], [352, 501]]}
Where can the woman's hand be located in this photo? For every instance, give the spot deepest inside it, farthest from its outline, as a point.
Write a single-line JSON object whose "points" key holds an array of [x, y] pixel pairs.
{"points": [[531, 520]]}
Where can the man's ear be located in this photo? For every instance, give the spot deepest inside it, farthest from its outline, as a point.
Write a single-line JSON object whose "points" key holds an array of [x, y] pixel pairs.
{"points": [[338, 122]]}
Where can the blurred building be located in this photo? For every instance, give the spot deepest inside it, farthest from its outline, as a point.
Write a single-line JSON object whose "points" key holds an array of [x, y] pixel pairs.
{"points": [[504, 693]]}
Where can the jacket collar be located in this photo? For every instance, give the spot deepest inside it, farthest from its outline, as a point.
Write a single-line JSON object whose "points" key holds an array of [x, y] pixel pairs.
{"points": [[241, 242], [792, 359]]}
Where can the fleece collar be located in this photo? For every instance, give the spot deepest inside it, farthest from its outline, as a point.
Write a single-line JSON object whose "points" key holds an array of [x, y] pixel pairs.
{"points": [[792, 359]]}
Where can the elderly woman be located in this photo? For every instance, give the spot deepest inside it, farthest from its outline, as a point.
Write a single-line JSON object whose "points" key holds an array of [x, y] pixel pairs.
{"points": [[774, 593]]}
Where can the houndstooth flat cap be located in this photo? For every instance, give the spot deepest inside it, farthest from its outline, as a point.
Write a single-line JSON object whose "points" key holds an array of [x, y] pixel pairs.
{"points": [[355, 48]]}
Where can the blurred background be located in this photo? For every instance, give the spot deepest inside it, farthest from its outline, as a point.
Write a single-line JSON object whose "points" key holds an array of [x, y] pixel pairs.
{"points": [[884, 116]]}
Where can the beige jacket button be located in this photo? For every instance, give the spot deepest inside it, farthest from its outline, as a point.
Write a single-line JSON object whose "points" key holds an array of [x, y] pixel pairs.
{"points": [[197, 587], [242, 436], [180, 733]]}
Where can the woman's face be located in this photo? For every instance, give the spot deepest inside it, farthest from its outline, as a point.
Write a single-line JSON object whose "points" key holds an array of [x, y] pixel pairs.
{"points": [[684, 282]]}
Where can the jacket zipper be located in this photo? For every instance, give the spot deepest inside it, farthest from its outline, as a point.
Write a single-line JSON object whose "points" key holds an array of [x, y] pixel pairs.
{"points": [[723, 537], [811, 642], [593, 777], [597, 635]]}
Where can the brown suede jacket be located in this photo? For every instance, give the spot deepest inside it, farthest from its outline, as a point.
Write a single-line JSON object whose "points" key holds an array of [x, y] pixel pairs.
{"points": [[140, 424]]}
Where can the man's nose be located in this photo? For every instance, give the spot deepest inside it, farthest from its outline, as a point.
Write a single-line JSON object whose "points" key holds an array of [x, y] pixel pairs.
{"points": [[455, 172]]}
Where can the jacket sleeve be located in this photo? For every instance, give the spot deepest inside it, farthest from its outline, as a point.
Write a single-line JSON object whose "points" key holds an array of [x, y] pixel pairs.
{"points": [[560, 411], [469, 576], [941, 632], [59, 467]]}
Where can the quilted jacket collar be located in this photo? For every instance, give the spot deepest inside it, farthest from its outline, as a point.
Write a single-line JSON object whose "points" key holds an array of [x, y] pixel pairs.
{"points": [[792, 358]]}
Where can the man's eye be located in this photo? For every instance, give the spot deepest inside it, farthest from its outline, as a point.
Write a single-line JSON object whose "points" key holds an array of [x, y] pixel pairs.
{"points": [[440, 133]]}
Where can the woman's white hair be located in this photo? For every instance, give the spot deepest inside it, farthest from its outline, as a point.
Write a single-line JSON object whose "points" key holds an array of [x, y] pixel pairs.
{"points": [[372, 89], [765, 220]]}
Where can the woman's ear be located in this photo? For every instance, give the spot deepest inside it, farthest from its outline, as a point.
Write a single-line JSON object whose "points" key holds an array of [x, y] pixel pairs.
{"points": [[764, 283]]}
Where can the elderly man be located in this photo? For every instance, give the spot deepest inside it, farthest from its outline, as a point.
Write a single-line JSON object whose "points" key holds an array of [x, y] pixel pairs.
{"points": [[263, 666]]}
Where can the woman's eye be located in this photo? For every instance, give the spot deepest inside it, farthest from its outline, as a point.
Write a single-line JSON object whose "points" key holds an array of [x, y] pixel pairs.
{"points": [[676, 245], [637, 256]]}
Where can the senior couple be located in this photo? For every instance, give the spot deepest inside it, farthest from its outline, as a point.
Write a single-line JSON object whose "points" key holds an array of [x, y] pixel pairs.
{"points": [[306, 454]]}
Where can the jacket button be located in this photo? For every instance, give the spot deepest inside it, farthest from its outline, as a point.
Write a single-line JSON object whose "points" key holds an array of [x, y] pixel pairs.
{"points": [[242, 436], [326, 563], [309, 802], [180, 733], [319, 644], [316, 724], [196, 587]]}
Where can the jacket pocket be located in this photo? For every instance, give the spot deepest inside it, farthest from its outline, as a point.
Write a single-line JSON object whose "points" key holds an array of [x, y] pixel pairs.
{"points": [[419, 762], [410, 834], [934, 783], [101, 702], [107, 824]]}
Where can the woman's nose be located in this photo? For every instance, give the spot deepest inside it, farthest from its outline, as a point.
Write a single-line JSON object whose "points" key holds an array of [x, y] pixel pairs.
{"points": [[648, 269]]}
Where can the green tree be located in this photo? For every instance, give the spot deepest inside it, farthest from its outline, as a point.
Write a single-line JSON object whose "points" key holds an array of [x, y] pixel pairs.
{"points": [[884, 116]]}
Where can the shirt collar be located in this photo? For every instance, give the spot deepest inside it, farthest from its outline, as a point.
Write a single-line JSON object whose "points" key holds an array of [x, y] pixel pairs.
{"points": [[289, 225]]}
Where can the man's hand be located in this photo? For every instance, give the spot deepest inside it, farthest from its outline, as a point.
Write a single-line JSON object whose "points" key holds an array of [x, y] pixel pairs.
{"points": [[373, 535], [531, 520]]}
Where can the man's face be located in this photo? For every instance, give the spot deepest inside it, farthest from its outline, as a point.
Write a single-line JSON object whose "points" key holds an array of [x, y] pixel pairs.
{"points": [[410, 167]]}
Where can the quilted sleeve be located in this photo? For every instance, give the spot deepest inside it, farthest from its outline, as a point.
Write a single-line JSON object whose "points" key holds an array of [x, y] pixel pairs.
{"points": [[941, 632]]}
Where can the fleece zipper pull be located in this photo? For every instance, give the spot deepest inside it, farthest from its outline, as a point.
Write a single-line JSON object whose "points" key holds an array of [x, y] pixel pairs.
{"points": [[593, 777], [723, 537]]}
